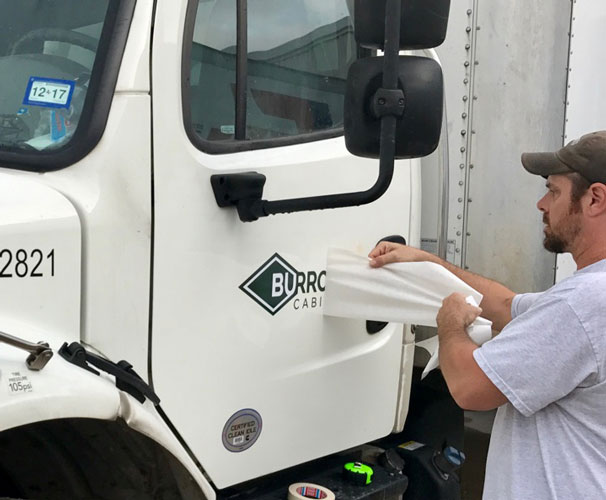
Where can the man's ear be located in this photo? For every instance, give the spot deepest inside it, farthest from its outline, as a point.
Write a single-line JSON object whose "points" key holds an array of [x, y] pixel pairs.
{"points": [[596, 194]]}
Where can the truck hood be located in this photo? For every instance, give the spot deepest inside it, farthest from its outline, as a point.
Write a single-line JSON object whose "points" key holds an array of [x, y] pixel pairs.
{"points": [[40, 252]]}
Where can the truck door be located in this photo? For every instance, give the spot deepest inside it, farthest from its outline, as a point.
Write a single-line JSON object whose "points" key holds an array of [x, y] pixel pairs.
{"points": [[254, 378]]}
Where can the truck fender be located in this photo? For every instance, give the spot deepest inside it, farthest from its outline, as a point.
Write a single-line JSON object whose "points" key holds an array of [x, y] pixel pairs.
{"points": [[63, 391]]}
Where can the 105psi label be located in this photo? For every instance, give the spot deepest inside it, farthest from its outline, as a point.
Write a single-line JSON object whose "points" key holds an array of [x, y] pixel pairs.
{"points": [[18, 384]]}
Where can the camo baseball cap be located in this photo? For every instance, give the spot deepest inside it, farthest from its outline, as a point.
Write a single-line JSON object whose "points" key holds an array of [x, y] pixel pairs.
{"points": [[586, 155]]}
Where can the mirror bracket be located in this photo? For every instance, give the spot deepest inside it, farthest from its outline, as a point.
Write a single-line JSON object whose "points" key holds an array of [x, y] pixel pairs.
{"points": [[388, 102], [243, 190]]}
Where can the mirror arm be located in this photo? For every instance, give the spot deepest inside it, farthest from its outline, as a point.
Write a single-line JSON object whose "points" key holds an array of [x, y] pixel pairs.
{"points": [[388, 103]]}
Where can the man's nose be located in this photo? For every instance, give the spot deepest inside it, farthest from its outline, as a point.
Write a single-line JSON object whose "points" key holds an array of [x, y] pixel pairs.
{"points": [[541, 204]]}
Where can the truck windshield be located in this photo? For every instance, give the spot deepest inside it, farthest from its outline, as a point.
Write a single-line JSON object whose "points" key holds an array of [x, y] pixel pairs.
{"points": [[47, 53]]}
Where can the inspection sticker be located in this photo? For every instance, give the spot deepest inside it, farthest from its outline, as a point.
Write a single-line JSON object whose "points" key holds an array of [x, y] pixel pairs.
{"points": [[242, 430], [18, 384], [49, 92]]}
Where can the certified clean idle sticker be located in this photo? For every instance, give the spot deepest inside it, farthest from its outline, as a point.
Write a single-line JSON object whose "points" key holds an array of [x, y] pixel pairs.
{"points": [[18, 384], [49, 92], [242, 430]]}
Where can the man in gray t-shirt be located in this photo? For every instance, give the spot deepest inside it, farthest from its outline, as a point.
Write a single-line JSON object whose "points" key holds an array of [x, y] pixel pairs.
{"points": [[549, 441], [546, 370]]}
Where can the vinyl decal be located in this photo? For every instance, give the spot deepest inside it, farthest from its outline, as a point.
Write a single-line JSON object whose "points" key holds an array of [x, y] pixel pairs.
{"points": [[276, 283]]}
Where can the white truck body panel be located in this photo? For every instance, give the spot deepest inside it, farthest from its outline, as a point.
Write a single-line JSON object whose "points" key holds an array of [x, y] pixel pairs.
{"points": [[320, 384], [39, 261], [110, 189]]}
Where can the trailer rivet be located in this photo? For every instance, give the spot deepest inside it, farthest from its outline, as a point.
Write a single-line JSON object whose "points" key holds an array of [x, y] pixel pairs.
{"points": [[469, 200], [463, 149], [467, 46], [471, 165], [459, 216], [469, 12], [476, 62], [458, 233], [463, 132], [466, 64], [462, 166], [468, 234], [468, 29], [465, 98], [461, 183], [458, 250], [477, 28], [466, 81], [460, 200], [475, 97], [464, 115]]}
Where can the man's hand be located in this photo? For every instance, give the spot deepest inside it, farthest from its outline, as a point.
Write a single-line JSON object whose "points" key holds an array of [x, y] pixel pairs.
{"points": [[456, 314], [387, 252], [468, 384]]}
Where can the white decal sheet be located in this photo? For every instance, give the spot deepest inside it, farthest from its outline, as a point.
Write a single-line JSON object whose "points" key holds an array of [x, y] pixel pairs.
{"points": [[404, 292]]}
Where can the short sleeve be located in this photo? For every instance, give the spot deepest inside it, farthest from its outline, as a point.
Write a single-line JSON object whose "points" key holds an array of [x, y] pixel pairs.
{"points": [[522, 302], [539, 357]]}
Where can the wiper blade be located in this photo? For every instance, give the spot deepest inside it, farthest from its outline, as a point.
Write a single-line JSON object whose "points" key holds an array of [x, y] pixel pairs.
{"points": [[127, 379]]}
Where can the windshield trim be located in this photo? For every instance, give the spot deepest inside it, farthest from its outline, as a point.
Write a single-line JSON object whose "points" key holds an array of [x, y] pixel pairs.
{"points": [[98, 100]]}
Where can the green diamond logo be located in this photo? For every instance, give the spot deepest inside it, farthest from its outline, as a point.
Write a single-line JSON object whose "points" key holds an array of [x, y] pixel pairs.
{"points": [[272, 285]]}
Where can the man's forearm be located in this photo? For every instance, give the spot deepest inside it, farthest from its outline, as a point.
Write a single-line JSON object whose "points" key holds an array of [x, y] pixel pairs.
{"points": [[496, 304], [466, 381]]}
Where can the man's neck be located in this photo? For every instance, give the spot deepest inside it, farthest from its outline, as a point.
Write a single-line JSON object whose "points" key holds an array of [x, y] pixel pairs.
{"points": [[585, 255]]}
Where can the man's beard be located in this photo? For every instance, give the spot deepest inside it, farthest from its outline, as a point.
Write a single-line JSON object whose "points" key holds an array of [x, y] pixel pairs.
{"points": [[560, 238]]}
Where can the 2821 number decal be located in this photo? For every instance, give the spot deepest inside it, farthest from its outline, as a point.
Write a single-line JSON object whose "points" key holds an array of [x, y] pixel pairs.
{"points": [[24, 264]]}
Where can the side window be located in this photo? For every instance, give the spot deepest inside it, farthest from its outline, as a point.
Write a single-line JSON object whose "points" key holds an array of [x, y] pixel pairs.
{"points": [[295, 69]]}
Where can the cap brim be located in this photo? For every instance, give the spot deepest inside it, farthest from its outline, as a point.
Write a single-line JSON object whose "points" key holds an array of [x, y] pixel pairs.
{"points": [[544, 164]]}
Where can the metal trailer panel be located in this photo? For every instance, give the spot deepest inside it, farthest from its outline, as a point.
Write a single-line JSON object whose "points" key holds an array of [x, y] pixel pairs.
{"points": [[453, 54], [505, 67], [519, 107], [585, 103]]}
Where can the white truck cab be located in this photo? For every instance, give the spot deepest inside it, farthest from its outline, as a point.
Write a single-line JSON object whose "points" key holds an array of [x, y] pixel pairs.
{"points": [[114, 117]]}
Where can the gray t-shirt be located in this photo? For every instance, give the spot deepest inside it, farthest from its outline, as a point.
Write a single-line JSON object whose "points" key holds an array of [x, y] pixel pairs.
{"points": [[549, 441]]}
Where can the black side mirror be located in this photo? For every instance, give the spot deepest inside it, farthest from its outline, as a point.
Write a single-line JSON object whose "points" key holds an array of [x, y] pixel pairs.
{"points": [[423, 23], [393, 106], [417, 127]]}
